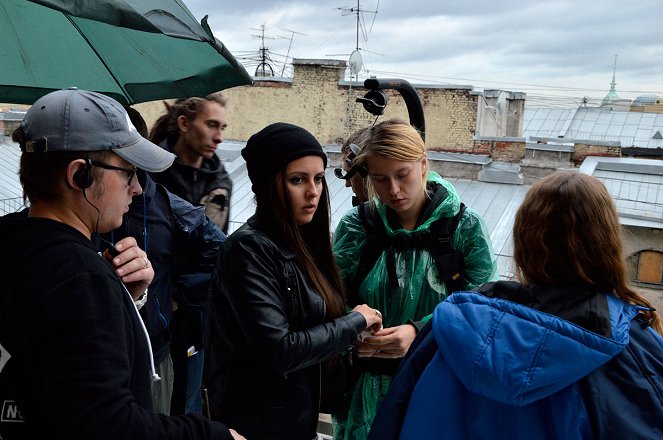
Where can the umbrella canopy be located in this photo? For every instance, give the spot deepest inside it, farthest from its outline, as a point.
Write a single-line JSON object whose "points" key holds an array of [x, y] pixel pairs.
{"points": [[149, 50]]}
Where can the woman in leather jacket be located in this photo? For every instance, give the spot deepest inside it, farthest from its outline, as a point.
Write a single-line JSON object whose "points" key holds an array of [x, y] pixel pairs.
{"points": [[277, 309]]}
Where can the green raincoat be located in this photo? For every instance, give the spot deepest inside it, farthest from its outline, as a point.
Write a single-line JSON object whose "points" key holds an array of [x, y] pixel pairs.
{"points": [[419, 288]]}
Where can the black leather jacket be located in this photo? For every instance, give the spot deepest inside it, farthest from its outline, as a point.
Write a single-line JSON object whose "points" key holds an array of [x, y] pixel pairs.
{"points": [[266, 339]]}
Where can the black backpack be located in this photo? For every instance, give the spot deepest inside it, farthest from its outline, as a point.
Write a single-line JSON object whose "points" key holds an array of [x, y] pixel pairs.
{"points": [[438, 240]]}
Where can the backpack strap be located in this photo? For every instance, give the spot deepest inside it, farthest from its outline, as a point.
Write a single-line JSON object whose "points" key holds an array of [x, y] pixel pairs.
{"points": [[376, 238], [450, 263]]}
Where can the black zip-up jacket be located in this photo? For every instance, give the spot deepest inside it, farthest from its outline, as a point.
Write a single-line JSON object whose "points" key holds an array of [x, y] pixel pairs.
{"points": [[75, 358], [266, 338], [209, 185]]}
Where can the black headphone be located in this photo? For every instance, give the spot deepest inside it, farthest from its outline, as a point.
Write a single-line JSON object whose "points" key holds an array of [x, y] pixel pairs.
{"points": [[374, 102], [83, 178], [349, 161]]}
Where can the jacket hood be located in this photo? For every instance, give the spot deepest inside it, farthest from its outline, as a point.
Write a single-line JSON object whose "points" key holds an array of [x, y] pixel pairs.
{"points": [[24, 236], [515, 354]]}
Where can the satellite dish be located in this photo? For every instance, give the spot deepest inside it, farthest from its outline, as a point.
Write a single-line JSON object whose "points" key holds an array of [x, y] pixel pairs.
{"points": [[356, 62]]}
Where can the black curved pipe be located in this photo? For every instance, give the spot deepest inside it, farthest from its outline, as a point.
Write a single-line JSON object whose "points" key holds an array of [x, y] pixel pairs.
{"points": [[414, 108]]}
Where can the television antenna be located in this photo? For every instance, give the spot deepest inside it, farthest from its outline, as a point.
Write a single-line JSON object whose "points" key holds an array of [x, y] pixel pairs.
{"points": [[287, 55], [356, 60], [264, 59]]}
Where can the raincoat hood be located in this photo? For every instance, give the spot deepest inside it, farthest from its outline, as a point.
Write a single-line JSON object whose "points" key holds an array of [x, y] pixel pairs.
{"points": [[510, 353], [445, 202]]}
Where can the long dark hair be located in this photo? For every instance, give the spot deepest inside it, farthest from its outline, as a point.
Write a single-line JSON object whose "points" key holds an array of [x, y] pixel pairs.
{"points": [[166, 126], [310, 242], [567, 233]]}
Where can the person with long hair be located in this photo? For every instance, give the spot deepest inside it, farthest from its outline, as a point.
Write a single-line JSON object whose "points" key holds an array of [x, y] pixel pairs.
{"points": [[429, 245], [277, 307], [192, 128], [569, 351]]}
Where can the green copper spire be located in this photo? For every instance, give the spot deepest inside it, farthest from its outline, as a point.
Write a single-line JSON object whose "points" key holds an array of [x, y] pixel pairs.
{"points": [[612, 96]]}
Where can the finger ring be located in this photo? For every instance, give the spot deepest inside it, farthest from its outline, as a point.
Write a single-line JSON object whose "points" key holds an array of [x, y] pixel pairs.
{"points": [[147, 263]]}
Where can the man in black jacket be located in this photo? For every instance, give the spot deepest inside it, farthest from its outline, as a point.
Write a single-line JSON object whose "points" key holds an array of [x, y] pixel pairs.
{"points": [[192, 128], [75, 357]]}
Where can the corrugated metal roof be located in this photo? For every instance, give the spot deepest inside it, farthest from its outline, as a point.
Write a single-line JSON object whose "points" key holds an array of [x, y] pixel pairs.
{"points": [[635, 184], [593, 123], [11, 192]]}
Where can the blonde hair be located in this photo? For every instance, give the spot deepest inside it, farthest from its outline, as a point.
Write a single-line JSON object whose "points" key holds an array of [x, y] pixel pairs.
{"points": [[393, 139], [567, 233]]}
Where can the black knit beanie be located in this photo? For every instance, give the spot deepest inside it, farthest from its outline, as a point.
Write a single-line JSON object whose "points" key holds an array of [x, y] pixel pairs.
{"points": [[275, 146]]}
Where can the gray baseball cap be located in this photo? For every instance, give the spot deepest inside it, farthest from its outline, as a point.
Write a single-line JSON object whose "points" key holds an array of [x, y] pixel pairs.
{"points": [[77, 120]]}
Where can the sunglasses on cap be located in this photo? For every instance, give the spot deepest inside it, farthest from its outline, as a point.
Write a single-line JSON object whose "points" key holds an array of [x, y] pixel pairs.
{"points": [[354, 169]]}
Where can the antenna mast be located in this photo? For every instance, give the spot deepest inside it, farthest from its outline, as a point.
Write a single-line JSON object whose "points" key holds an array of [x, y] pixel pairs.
{"points": [[357, 12], [356, 62], [287, 55], [264, 58]]}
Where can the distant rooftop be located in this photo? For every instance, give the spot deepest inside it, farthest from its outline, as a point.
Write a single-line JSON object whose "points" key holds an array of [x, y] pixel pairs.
{"points": [[636, 185], [648, 99], [631, 129]]}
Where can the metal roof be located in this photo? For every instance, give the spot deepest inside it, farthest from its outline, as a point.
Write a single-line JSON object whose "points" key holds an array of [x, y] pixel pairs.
{"points": [[11, 193], [632, 129], [635, 184], [496, 202]]}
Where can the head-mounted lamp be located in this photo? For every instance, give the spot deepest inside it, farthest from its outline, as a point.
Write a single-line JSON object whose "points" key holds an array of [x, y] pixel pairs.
{"points": [[354, 168]]}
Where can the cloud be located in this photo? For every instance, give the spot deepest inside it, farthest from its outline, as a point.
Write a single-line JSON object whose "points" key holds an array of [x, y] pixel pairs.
{"points": [[557, 45]]}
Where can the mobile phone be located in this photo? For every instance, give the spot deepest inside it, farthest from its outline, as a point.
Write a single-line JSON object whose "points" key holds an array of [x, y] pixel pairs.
{"points": [[110, 247]]}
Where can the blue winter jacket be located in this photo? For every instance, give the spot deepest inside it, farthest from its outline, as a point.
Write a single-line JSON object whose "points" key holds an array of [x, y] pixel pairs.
{"points": [[581, 366]]}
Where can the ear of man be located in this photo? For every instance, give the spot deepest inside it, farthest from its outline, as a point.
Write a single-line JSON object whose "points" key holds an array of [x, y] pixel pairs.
{"points": [[183, 123], [79, 174]]}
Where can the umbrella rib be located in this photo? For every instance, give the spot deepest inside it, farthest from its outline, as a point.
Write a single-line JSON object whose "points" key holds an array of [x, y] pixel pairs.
{"points": [[110, 72]]}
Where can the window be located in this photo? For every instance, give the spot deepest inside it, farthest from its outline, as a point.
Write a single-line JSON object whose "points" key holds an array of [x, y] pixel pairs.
{"points": [[648, 267]]}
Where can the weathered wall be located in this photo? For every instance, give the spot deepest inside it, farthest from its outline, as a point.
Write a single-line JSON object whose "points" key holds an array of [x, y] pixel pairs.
{"points": [[500, 149], [318, 100], [451, 118], [641, 239], [638, 239], [582, 150], [500, 113]]}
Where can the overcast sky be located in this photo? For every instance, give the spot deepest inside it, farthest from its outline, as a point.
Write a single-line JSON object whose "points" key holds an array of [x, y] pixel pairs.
{"points": [[548, 49]]}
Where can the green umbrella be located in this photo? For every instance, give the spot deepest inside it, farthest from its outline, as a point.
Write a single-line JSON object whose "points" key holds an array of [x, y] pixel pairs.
{"points": [[143, 51]]}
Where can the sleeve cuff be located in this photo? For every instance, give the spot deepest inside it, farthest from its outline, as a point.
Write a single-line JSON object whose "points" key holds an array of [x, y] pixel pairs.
{"points": [[140, 302]]}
